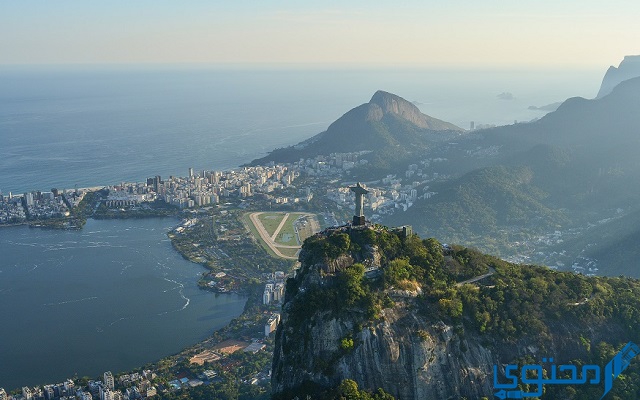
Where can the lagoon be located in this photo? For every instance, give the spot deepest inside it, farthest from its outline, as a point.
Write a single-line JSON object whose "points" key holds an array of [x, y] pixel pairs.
{"points": [[113, 296]]}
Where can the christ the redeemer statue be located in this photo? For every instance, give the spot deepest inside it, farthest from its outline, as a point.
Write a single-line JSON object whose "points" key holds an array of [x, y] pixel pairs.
{"points": [[358, 218]]}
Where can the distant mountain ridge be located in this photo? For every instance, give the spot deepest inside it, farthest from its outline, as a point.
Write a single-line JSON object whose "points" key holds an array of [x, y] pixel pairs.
{"points": [[503, 186], [386, 121], [580, 164], [628, 68]]}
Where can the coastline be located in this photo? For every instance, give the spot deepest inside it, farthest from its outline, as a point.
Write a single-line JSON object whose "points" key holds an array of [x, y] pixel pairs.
{"points": [[212, 233], [249, 290], [125, 252]]}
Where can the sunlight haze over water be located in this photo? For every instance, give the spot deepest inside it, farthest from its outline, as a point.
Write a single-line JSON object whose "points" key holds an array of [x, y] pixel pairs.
{"points": [[487, 33]]}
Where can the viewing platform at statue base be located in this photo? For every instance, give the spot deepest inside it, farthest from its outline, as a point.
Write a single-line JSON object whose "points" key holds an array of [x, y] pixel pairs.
{"points": [[358, 220]]}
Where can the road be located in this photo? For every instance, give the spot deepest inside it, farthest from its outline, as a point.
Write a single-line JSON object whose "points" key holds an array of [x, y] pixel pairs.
{"points": [[477, 278]]}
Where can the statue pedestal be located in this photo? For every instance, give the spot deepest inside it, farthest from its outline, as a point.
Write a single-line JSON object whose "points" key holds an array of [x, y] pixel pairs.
{"points": [[358, 221]]}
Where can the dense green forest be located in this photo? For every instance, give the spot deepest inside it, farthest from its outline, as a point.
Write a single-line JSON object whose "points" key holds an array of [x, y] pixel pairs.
{"points": [[516, 306]]}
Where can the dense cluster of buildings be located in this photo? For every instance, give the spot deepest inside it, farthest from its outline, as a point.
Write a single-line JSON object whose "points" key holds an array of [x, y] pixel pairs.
{"points": [[11, 211], [134, 386], [273, 293], [39, 205], [335, 164], [390, 194], [274, 288], [203, 189]]}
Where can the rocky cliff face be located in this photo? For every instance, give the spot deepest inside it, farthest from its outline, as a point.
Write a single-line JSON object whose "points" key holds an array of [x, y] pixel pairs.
{"points": [[383, 103], [409, 349], [407, 356], [628, 68]]}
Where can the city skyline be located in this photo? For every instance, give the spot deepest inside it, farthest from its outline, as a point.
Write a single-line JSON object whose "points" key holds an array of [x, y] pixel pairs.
{"points": [[458, 33]]}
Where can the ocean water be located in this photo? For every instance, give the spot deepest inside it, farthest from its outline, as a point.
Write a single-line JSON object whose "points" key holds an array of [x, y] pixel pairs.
{"points": [[114, 296], [72, 126]]}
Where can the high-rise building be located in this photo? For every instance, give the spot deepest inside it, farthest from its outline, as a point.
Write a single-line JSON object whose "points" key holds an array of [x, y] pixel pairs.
{"points": [[108, 380], [190, 172], [49, 392], [69, 386], [271, 324], [84, 396], [106, 394], [28, 197]]}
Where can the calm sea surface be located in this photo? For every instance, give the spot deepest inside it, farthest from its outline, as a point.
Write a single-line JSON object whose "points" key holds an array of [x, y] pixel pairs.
{"points": [[87, 127], [115, 295]]}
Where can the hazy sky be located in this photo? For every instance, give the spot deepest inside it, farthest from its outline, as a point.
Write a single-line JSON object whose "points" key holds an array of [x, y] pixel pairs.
{"points": [[415, 33]]}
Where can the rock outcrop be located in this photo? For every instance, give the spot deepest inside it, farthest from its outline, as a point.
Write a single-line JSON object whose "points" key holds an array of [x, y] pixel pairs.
{"points": [[383, 103], [628, 68], [408, 356], [410, 348]]}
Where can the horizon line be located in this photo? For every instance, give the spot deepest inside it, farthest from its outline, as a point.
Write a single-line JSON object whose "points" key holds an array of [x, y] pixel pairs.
{"points": [[325, 66]]}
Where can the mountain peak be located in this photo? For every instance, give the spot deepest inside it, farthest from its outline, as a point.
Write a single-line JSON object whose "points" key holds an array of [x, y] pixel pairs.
{"points": [[387, 123], [384, 103], [628, 68], [381, 97]]}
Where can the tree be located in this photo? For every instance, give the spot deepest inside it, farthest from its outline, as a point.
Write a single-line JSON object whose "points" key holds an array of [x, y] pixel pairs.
{"points": [[348, 390], [397, 271], [338, 244], [350, 287]]}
